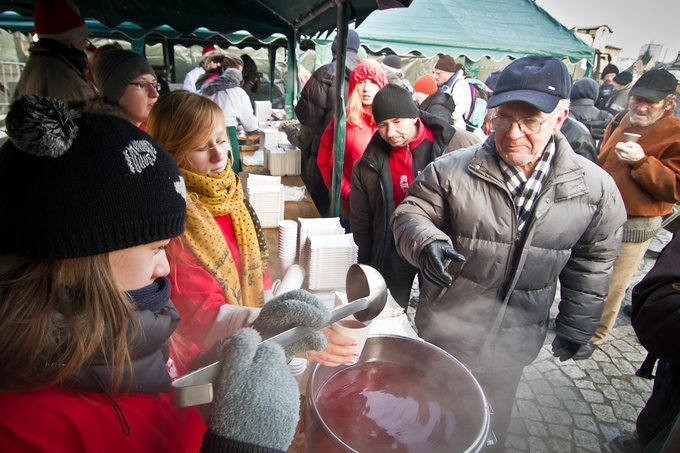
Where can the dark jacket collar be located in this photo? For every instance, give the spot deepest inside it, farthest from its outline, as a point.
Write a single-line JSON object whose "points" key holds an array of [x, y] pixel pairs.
{"points": [[156, 319]]}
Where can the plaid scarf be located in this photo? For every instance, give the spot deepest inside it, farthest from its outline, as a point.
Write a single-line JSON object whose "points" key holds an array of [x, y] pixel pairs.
{"points": [[525, 190]]}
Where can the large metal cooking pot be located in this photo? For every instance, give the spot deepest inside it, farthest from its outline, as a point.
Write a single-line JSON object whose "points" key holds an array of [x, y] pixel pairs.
{"points": [[402, 395]]}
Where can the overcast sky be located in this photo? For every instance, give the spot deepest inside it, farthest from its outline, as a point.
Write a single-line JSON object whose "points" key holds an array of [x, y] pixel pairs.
{"points": [[633, 22]]}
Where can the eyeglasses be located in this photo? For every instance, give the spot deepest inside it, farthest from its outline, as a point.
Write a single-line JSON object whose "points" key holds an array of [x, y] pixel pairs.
{"points": [[147, 86], [528, 126]]}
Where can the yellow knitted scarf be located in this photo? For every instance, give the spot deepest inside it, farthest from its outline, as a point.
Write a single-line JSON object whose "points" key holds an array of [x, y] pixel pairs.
{"points": [[216, 195]]}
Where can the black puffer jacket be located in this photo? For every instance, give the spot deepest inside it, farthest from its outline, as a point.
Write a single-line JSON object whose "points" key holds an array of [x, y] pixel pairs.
{"points": [[439, 104], [656, 320], [317, 99], [315, 110], [579, 138], [583, 96], [573, 234], [371, 198]]}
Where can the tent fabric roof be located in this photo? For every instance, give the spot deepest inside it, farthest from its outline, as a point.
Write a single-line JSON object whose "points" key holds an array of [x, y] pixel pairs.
{"points": [[477, 28], [261, 18], [130, 31]]}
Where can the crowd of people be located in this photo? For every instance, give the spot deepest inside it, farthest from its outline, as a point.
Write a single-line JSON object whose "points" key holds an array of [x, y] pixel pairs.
{"points": [[135, 257]]}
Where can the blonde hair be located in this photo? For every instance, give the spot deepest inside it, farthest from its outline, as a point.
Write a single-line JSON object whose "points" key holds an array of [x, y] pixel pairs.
{"points": [[355, 109], [55, 316], [183, 122]]}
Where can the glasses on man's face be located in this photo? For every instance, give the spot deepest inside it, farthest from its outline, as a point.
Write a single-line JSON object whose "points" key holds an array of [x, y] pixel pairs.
{"points": [[528, 126], [147, 86]]}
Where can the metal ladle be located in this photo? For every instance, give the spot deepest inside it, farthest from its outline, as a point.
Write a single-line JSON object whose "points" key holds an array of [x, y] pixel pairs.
{"points": [[367, 291]]}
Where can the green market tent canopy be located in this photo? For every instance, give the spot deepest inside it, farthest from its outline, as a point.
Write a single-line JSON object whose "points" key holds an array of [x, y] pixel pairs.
{"points": [[472, 28], [261, 18], [132, 32]]}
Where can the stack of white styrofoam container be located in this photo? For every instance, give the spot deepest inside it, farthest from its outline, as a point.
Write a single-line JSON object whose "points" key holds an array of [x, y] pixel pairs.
{"points": [[283, 160], [263, 110], [287, 243], [269, 138], [265, 194], [329, 259], [315, 226]]}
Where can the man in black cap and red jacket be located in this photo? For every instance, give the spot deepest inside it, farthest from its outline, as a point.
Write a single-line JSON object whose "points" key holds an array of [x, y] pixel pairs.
{"points": [[407, 140]]}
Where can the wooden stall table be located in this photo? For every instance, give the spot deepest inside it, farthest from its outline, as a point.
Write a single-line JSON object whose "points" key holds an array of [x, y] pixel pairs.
{"points": [[292, 210]]}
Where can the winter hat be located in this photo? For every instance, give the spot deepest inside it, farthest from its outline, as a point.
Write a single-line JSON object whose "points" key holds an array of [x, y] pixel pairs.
{"points": [[492, 80], [53, 17], [654, 85], [353, 42], [76, 184], [585, 88], [447, 63], [114, 70], [623, 78], [367, 69], [425, 84], [234, 75], [392, 62], [207, 49], [393, 101], [609, 69], [536, 80], [58, 19]]}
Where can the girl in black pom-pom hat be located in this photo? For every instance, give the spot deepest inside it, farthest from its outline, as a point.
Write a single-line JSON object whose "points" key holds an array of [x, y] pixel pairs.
{"points": [[89, 203]]}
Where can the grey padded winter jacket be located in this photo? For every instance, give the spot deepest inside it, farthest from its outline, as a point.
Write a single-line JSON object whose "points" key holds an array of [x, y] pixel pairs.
{"points": [[574, 235]]}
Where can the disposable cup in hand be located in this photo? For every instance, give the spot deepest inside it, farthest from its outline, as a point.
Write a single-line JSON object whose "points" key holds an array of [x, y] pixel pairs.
{"points": [[630, 137], [352, 328]]}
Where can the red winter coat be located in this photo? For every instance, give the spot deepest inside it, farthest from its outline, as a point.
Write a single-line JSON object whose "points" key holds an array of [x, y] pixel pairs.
{"points": [[197, 296], [356, 139], [55, 419]]}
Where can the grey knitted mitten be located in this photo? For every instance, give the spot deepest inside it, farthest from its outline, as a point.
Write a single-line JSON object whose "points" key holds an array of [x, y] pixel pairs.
{"points": [[291, 309], [256, 397]]}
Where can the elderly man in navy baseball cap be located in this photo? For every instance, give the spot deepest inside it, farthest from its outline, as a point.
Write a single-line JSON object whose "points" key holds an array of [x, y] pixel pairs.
{"points": [[532, 101], [493, 227]]}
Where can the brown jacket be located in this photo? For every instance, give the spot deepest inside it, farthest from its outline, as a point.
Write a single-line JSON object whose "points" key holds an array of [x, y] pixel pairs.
{"points": [[651, 186]]}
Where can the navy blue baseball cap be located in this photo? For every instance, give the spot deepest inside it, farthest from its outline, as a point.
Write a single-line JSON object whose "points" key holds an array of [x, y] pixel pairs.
{"points": [[536, 80]]}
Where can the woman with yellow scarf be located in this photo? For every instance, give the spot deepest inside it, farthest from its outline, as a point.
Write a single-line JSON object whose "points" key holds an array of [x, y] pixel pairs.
{"points": [[221, 257], [218, 266]]}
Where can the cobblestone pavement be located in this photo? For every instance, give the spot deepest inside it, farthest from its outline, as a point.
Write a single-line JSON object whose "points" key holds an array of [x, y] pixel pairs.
{"points": [[580, 406]]}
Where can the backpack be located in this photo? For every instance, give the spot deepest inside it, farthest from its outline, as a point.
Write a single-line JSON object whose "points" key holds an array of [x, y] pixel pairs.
{"points": [[477, 111]]}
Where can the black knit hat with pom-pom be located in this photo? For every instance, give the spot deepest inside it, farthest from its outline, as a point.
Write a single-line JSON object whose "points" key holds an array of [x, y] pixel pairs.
{"points": [[77, 184]]}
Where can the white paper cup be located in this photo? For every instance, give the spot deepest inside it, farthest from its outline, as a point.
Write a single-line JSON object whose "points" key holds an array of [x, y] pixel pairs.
{"points": [[352, 328], [293, 279], [299, 369], [631, 137]]}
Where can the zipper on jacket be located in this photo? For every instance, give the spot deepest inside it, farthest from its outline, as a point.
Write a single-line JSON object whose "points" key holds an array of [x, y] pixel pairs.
{"points": [[386, 228], [516, 236]]}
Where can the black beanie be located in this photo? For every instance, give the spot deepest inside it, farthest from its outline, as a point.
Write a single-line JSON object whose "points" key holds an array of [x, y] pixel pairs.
{"points": [[76, 184], [115, 69], [393, 101], [610, 69], [623, 78]]}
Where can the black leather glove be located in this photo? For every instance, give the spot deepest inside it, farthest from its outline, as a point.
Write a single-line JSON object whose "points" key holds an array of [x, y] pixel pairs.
{"points": [[564, 349], [255, 385], [433, 262], [291, 309]]}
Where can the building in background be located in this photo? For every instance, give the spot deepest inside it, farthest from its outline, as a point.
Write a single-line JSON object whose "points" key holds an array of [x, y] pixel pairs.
{"points": [[598, 37]]}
